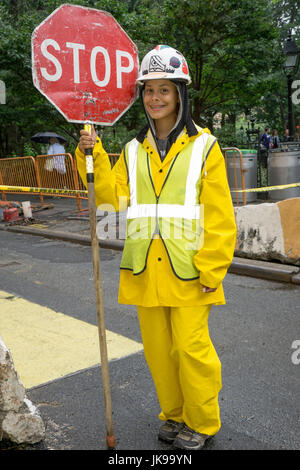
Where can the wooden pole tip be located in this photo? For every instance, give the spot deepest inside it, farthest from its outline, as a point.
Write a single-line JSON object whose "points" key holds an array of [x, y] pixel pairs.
{"points": [[110, 441]]}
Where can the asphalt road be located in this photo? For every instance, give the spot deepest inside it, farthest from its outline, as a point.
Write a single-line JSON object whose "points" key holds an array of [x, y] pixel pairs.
{"points": [[253, 335]]}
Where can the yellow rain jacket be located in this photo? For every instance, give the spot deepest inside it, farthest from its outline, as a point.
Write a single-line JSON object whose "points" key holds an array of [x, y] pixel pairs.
{"points": [[157, 285]]}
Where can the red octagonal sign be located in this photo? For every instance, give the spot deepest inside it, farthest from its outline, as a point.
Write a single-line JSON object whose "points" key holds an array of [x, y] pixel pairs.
{"points": [[85, 64]]}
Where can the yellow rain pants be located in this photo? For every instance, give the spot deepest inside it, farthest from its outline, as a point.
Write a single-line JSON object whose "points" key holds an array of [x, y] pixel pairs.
{"points": [[184, 365]]}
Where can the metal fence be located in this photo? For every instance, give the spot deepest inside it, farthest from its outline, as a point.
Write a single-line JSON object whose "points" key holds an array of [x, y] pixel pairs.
{"points": [[46, 172], [19, 171], [60, 172]]}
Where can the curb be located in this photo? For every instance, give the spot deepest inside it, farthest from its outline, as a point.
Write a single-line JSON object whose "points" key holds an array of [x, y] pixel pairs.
{"points": [[265, 270], [242, 266], [64, 236]]}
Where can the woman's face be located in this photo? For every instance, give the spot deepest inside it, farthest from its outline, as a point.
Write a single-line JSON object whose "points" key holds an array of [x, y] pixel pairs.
{"points": [[161, 99]]}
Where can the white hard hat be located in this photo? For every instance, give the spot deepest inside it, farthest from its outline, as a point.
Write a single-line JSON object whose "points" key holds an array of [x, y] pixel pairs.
{"points": [[164, 62]]}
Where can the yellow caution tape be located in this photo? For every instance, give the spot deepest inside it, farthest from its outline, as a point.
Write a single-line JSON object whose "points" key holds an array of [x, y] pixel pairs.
{"points": [[266, 188], [83, 191], [42, 190]]}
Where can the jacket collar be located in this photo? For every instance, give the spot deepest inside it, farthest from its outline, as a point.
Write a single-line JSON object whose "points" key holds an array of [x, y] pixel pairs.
{"points": [[146, 139]]}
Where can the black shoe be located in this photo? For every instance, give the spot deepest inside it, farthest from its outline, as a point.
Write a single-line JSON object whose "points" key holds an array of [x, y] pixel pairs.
{"points": [[169, 430], [189, 439]]}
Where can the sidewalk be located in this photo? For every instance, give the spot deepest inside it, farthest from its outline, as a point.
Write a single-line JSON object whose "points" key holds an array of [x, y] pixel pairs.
{"points": [[64, 222]]}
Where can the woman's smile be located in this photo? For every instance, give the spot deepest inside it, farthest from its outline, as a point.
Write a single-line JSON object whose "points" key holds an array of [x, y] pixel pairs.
{"points": [[160, 99]]}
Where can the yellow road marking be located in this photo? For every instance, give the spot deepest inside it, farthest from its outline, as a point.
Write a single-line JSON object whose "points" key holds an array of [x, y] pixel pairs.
{"points": [[38, 225], [47, 345]]}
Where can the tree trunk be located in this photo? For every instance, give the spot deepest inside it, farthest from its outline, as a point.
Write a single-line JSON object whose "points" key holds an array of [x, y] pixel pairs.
{"points": [[196, 110]]}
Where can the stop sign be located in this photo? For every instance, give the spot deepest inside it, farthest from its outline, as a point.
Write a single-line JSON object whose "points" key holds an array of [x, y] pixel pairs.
{"points": [[85, 64]]}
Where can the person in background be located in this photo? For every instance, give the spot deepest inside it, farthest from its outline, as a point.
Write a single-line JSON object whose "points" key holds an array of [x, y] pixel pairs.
{"points": [[297, 136], [265, 138], [58, 151], [275, 139], [286, 136]]}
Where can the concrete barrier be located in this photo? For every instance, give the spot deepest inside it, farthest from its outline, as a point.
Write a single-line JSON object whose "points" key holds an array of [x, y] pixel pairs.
{"points": [[20, 420], [269, 231]]}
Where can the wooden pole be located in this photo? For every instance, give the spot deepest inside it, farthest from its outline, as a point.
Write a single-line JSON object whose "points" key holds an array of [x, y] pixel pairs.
{"points": [[110, 438]]}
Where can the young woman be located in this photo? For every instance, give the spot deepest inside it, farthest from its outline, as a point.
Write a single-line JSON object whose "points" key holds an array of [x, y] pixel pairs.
{"points": [[180, 242]]}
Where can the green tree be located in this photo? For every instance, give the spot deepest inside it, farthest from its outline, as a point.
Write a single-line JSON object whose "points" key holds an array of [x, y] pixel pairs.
{"points": [[286, 14], [234, 50], [224, 42]]}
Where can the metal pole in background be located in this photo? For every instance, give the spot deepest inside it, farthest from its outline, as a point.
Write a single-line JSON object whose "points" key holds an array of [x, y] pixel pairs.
{"points": [[290, 107]]}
